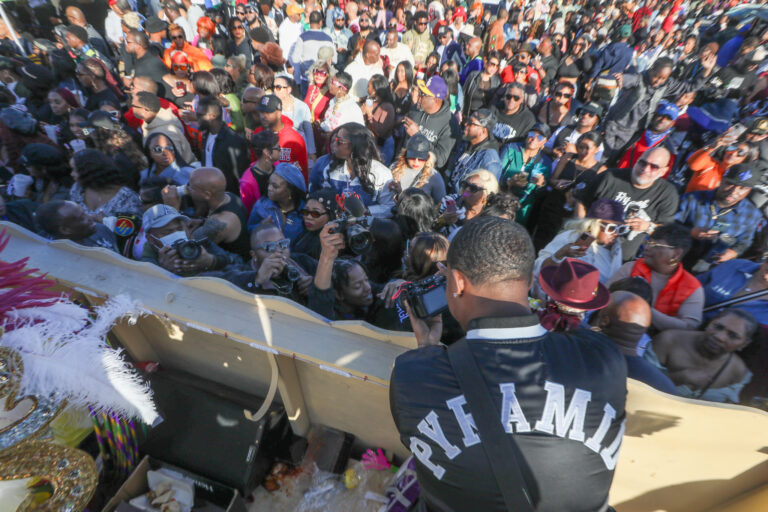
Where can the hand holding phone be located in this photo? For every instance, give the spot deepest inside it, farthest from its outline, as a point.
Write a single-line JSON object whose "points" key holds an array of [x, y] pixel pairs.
{"points": [[585, 240]]}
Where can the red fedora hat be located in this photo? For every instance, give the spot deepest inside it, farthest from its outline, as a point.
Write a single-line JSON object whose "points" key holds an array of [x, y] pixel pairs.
{"points": [[575, 284]]}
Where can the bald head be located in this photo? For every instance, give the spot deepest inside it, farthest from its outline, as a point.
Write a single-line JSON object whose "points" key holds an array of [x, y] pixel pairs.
{"points": [[474, 46], [75, 16], [371, 52], [625, 319], [652, 165], [209, 179], [144, 84]]}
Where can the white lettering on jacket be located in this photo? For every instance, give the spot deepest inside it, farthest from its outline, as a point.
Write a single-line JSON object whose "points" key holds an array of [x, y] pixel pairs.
{"points": [[557, 418]]}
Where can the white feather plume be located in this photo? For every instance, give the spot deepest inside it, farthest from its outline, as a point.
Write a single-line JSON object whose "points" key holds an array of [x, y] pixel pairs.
{"points": [[65, 357]]}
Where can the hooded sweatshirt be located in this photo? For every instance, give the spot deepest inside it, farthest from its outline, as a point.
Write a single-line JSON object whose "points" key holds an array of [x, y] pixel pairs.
{"points": [[440, 128], [169, 125]]}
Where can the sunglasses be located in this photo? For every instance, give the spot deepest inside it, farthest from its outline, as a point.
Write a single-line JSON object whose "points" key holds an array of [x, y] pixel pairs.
{"points": [[737, 150], [422, 24], [160, 149], [321, 72], [513, 97], [645, 163], [536, 135], [492, 63], [339, 140], [339, 84], [313, 213], [563, 95], [183, 67], [280, 87], [179, 36], [610, 228], [238, 27], [273, 246], [471, 187]]}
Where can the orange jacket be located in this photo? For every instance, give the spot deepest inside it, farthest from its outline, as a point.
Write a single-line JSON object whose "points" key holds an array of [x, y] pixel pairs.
{"points": [[677, 290], [707, 172], [196, 57]]}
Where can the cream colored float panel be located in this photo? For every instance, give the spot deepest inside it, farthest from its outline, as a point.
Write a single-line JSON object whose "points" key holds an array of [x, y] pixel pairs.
{"points": [[678, 455]]}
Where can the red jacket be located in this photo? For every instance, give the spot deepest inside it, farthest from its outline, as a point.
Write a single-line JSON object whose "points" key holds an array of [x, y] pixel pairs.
{"points": [[677, 290], [636, 150], [292, 146]]}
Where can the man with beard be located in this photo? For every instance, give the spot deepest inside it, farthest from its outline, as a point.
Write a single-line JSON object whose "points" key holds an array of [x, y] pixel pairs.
{"points": [[222, 147], [655, 135], [479, 150], [648, 200], [704, 365], [146, 63], [418, 39], [432, 118], [722, 221], [513, 118], [640, 95], [340, 36]]}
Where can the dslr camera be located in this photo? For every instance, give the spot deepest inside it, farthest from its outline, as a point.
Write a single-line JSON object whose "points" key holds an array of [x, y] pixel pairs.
{"points": [[188, 249], [356, 233], [426, 297]]}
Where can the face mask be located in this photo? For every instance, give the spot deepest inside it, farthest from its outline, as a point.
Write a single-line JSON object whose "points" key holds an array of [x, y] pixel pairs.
{"points": [[169, 240]]}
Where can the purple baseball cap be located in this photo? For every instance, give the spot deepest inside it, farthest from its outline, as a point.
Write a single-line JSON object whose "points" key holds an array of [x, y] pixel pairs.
{"points": [[434, 87]]}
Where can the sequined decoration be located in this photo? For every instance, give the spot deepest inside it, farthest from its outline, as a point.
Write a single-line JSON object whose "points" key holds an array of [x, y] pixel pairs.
{"points": [[71, 472]]}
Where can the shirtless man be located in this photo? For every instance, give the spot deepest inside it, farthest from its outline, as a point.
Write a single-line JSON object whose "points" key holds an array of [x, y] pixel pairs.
{"points": [[705, 362]]}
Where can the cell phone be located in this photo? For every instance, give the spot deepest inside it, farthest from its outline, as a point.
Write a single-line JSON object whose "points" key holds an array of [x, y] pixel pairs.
{"points": [[181, 85], [585, 240], [450, 206]]}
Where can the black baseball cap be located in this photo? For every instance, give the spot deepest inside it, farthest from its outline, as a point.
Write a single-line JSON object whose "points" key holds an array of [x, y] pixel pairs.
{"points": [[418, 147], [542, 129], [270, 103], [744, 175], [592, 108]]}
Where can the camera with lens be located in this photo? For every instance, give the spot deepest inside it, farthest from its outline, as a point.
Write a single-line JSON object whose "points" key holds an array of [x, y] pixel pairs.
{"points": [[426, 297], [188, 249], [356, 234], [285, 282], [291, 273]]}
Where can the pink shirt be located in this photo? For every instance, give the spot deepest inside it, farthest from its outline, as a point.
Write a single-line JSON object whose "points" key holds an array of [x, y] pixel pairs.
{"points": [[249, 189]]}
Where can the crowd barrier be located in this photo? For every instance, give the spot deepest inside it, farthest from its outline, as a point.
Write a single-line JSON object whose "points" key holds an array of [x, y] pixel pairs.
{"points": [[677, 454]]}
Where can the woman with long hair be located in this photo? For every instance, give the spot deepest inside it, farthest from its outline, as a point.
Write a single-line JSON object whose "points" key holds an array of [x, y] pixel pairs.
{"points": [[401, 88], [556, 110], [379, 113], [353, 167], [415, 167], [100, 188], [416, 212], [229, 99], [318, 97], [297, 111], [205, 30], [112, 140]]}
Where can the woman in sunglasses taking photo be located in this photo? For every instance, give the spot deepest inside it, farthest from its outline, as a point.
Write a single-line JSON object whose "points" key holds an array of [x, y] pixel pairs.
{"points": [[474, 191], [591, 240], [710, 163]]}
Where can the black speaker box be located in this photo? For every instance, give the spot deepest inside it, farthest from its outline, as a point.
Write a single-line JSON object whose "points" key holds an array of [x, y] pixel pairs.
{"points": [[205, 431]]}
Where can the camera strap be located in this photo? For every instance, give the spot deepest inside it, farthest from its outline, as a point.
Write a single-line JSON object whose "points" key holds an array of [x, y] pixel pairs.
{"points": [[500, 448]]}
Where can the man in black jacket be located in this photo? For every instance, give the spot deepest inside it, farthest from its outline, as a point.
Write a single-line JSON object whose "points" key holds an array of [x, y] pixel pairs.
{"points": [[560, 396], [433, 119], [222, 147]]}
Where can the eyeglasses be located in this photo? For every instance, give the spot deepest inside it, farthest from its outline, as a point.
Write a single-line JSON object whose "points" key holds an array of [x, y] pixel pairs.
{"points": [[276, 148], [513, 97], [241, 13], [178, 36], [312, 213], [563, 95], [280, 87], [610, 228], [655, 245], [643, 163], [160, 149], [536, 135], [492, 63], [273, 246], [471, 187]]}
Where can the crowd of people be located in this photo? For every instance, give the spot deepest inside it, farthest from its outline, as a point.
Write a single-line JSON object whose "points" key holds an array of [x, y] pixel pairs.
{"points": [[331, 151]]}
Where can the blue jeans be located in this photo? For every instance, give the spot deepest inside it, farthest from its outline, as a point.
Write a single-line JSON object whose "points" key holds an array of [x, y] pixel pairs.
{"points": [[387, 151]]}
